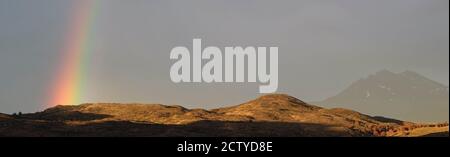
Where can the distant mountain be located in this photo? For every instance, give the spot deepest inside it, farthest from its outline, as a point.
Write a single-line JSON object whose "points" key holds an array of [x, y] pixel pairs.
{"points": [[270, 115], [406, 95]]}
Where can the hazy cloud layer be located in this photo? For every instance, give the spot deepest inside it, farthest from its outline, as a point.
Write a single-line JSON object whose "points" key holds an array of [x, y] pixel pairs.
{"points": [[323, 46]]}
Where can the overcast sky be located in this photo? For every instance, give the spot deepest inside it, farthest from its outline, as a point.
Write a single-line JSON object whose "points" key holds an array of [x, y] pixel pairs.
{"points": [[323, 46]]}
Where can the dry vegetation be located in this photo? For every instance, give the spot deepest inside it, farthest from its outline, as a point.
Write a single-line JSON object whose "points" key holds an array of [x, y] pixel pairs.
{"points": [[270, 115]]}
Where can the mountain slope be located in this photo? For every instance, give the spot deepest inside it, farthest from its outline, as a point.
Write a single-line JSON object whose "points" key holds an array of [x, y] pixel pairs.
{"points": [[406, 95], [269, 115]]}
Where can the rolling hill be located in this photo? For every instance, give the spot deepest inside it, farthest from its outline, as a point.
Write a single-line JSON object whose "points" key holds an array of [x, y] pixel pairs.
{"points": [[269, 115]]}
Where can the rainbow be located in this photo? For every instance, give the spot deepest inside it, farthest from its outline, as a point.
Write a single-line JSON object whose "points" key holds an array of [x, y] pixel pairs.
{"points": [[67, 88]]}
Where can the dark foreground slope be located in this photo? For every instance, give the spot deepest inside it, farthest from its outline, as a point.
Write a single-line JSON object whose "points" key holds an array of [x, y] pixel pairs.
{"points": [[270, 115]]}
